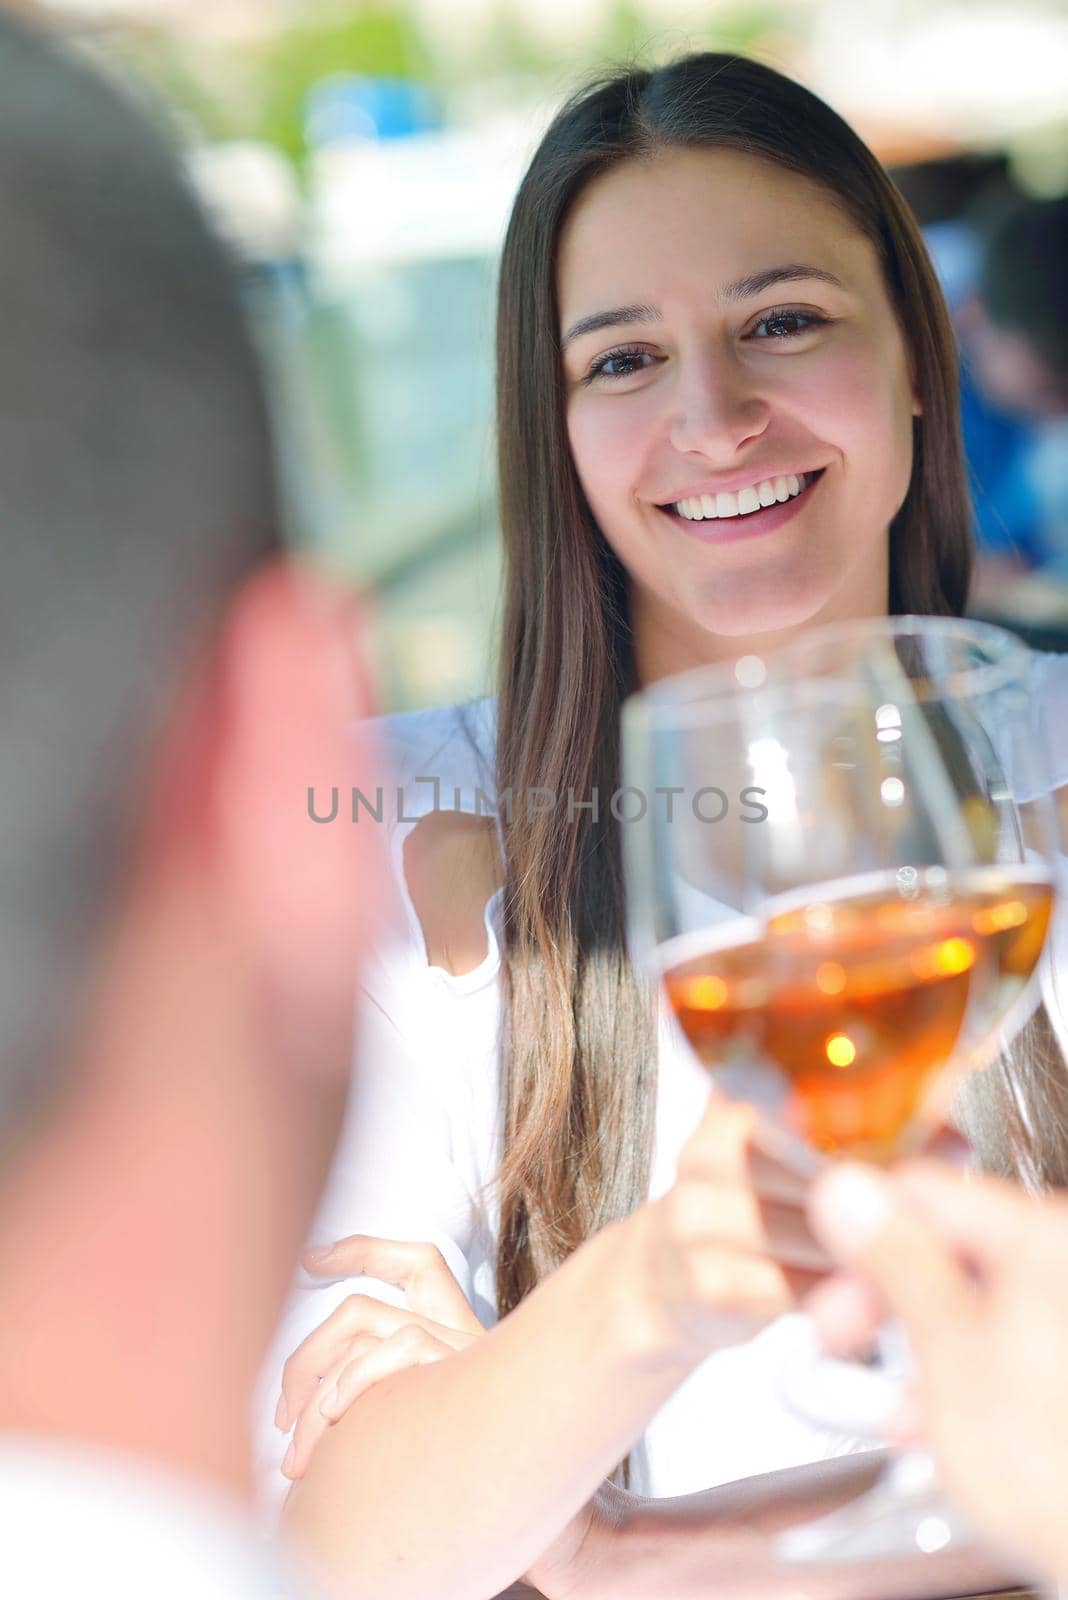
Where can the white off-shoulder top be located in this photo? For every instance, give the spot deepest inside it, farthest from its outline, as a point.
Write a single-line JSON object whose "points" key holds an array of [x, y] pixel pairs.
{"points": [[422, 1134]]}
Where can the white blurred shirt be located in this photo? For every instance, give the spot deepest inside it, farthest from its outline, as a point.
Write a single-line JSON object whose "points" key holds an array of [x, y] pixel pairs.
{"points": [[95, 1525]]}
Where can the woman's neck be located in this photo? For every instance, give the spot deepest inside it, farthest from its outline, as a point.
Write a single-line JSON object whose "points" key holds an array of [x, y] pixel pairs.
{"points": [[666, 644]]}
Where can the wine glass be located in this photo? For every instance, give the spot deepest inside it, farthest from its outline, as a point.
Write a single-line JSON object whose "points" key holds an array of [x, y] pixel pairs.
{"points": [[974, 681], [865, 911]]}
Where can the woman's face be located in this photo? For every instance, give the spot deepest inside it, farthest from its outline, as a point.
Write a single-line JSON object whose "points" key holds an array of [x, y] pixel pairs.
{"points": [[746, 336]]}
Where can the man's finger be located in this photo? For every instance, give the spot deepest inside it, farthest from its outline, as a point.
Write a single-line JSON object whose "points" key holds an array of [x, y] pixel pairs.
{"points": [[982, 1217], [847, 1311], [872, 1228]]}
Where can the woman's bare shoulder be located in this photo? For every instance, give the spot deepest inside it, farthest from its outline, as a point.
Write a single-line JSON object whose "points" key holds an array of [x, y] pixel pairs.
{"points": [[452, 867], [442, 761]]}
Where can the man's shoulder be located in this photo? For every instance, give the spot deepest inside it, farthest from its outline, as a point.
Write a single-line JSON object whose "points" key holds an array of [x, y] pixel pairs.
{"points": [[130, 1527]]}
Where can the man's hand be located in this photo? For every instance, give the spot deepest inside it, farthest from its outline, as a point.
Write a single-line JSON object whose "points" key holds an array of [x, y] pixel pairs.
{"points": [[978, 1273]]}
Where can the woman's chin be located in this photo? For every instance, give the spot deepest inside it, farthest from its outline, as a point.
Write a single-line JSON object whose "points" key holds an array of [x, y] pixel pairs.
{"points": [[753, 616]]}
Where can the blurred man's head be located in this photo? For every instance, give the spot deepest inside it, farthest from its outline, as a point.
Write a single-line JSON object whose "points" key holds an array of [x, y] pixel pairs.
{"points": [[135, 495], [1016, 331], [176, 938]]}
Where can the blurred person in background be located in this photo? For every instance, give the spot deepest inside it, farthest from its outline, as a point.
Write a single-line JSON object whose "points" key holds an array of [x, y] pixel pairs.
{"points": [[1018, 332], [1014, 336], [976, 1271], [177, 939], [712, 304], [998, 255]]}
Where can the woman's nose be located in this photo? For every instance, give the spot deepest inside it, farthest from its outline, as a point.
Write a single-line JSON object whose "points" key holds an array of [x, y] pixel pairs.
{"points": [[717, 406]]}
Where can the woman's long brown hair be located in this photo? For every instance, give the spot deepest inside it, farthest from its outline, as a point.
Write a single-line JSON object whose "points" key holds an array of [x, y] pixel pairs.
{"points": [[579, 1040]]}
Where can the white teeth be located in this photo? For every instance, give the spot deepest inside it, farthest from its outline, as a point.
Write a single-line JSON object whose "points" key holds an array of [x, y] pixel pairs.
{"points": [[768, 492]]}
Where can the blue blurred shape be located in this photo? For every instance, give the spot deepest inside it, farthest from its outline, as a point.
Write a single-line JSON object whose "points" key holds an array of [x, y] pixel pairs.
{"points": [[347, 106]]}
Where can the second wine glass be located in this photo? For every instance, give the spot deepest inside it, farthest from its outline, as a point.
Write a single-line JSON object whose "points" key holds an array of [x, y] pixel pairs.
{"points": [[837, 894]]}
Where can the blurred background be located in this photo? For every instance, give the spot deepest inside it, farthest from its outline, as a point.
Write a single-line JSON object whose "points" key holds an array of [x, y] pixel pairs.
{"points": [[361, 159]]}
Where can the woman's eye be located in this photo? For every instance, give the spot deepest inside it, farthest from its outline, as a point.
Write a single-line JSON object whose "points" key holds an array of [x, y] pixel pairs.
{"points": [[789, 324], [617, 364]]}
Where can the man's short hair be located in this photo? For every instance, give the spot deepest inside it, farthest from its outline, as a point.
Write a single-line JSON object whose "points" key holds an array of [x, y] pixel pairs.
{"points": [[136, 491]]}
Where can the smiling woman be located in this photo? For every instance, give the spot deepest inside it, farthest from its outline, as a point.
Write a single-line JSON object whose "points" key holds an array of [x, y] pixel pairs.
{"points": [[726, 413], [724, 391], [689, 201]]}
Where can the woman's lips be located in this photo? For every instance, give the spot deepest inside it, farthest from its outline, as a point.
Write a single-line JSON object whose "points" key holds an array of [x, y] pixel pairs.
{"points": [[726, 530]]}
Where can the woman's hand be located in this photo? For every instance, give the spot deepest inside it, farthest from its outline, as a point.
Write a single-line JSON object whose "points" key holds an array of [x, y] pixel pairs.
{"points": [[729, 1246], [364, 1341]]}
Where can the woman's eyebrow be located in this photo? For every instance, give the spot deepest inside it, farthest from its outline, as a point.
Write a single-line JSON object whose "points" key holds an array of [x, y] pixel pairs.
{"points": [[793, 272], [743, 289], [618, 317]]}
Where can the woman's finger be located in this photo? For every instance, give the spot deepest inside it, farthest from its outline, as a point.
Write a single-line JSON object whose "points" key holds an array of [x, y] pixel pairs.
{"points": [[785, 1235], [419, 1269], [775, 1180], [369, 1360], [739, 1294], [311, 1424], [409, 1347], [326, 1345], [738, 1220], [750, 1287], [729, 1147], [946, 1144]]}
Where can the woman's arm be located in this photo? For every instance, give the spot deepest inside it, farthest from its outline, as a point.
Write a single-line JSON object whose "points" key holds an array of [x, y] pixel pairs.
{"points": [[455, 1477], [718, 1545], [452, 1479], [616, 1545]]}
